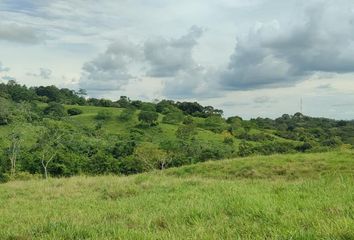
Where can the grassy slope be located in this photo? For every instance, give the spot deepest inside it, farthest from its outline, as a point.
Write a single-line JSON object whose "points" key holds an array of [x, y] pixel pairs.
{"points": [[300, 196], [114, 126]]}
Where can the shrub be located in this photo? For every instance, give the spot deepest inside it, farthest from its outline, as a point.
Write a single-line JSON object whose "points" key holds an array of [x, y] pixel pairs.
{"points": [[173, 118], [186, 132], [127, 114], [228, 140], [104, 115], [74, 111], [55, 110], [214, 123], [245, 149], [188, 120], [103, 163], [257, 137], [332, 142], [148, 117]]}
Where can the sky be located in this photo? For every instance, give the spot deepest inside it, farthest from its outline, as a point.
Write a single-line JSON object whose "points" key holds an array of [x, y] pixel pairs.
{"points": [[255, 58]]}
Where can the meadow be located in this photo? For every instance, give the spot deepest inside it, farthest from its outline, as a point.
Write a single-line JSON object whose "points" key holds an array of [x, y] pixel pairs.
{"points": [[290, 196]]}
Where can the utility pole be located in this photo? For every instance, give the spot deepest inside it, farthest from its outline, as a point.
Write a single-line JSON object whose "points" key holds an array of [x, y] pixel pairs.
{"points": [[301, 105]]}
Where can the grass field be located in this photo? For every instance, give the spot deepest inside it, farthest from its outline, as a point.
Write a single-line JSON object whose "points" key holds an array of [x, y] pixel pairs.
{"points": [[299, 196]]}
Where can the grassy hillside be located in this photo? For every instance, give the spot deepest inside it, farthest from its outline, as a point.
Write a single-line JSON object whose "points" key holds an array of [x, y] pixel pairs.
{"points": [[115, 126], [298, 196]]}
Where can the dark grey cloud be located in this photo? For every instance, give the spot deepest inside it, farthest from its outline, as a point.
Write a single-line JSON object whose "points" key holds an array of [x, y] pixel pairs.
{"points": [[168, 57], [111, 69], [278, 54], [19, 34]]}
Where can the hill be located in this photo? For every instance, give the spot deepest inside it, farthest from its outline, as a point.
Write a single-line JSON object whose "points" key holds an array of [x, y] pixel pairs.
{"points": [[290, 196], [58, 132]]}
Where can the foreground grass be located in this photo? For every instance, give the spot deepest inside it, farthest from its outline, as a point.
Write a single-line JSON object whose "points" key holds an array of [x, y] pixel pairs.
{"points": [[308, 196]]}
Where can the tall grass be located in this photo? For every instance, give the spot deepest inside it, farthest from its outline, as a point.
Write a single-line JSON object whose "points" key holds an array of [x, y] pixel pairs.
{"points": [[249, 198]]}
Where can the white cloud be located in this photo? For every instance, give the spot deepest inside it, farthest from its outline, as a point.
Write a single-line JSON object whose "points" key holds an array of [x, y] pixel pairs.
{"points": [[275, 54], [282, 46], [3, 68]]}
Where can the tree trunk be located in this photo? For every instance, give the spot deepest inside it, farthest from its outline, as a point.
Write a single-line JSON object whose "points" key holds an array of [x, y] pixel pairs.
{"points": [[45, 172]]}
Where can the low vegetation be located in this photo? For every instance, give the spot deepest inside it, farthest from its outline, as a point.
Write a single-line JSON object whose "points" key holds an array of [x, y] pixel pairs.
{"points": [[290, 196]]}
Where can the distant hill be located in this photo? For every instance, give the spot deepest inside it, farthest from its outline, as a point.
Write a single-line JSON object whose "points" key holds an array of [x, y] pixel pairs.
{"points": [[58, 132]]}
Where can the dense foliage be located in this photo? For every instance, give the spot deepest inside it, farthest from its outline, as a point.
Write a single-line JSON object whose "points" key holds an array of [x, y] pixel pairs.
{"points": [[43, 133]]}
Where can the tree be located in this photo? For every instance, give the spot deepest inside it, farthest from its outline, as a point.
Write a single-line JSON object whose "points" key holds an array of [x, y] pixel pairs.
{"points": [[5, 116], [14, 149], [52, 93], [124, 102], [151, 157], [148, 117], [165, 106], [49, 142], [82, 92]]}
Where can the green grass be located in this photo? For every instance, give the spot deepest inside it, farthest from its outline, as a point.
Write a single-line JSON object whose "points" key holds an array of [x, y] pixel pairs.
{"points": [[299, 196], [156, 134]]}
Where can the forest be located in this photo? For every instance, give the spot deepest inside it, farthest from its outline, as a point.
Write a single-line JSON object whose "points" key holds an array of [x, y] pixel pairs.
{"points": [[51, 132]]}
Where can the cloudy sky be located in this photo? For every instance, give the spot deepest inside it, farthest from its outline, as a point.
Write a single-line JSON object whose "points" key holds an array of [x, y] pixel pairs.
{"points": [[251, 58]]}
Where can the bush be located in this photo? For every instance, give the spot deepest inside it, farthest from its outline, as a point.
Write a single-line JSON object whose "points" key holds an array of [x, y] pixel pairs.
{"points": [[228, 140], [188, 120], [332, 142], [4, 117], [186, 132], [245, 149], [148, 117], [214, 123], [257, 137], [55, 110], [173, 118], [74, 111], [4, 112], [306, 146], [127, 114], [103, 163], [104, 115]]}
